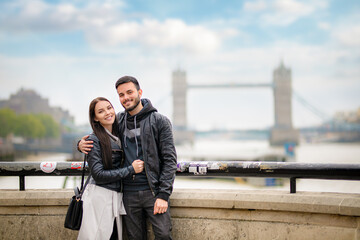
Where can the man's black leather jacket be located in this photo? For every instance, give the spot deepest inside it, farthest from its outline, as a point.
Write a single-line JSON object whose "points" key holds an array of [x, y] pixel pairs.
{"points": [[109, 179], [158, 152]]}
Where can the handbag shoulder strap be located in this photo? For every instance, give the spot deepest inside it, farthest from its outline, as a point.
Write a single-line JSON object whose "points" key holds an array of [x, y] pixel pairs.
{"points": [[83, 173], [86, 183], [78, 193]]}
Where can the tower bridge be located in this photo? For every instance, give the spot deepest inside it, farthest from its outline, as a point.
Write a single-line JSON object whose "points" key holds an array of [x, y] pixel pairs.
{"points": [[282, 131]]}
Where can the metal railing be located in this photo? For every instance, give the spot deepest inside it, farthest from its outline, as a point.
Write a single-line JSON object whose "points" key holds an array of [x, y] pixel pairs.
{"points": [[290, 170]]}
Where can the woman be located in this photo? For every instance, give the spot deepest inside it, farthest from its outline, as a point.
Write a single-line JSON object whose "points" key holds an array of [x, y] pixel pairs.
{"points": [[102, 197]]}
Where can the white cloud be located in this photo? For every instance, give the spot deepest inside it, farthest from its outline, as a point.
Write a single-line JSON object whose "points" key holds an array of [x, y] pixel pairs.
{"points": [[255, 5], [34, 8], [39, 16], [171, 33], [104, 27], [282, 12], [113, 35], [324, 25], [348, 36], [175, 33], [231, 32], [292, 7], [286, 12]]}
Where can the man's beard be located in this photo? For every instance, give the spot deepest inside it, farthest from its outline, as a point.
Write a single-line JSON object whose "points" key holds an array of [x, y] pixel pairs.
{"points": [[137, 101]]}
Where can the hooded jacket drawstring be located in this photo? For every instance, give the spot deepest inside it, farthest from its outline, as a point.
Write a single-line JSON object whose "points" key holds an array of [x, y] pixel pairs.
{"points": [[125, 128], [137, 146]]}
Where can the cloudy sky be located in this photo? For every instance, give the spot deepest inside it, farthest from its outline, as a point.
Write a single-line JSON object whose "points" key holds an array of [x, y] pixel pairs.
{"points": [[73, 51]]}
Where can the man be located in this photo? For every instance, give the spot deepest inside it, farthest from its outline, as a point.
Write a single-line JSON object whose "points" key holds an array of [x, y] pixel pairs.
{"points": [[146, 135]]}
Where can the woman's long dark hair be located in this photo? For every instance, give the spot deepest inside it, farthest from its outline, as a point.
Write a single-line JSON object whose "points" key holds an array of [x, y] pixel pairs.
{"points": [[101, 134]]}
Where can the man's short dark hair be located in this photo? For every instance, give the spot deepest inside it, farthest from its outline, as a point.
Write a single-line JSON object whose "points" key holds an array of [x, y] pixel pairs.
{"points": [[126, 79]]}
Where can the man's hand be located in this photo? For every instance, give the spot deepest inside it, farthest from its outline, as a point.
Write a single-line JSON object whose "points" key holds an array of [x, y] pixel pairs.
{"points": [[84, 145], [138, 165], [160, 206]]}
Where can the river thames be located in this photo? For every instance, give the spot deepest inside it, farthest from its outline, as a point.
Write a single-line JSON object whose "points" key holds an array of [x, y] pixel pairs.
{"points": [[304, 153]]}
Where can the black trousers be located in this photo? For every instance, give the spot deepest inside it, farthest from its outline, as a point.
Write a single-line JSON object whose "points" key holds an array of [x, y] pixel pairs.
{"points": [[139, 206]]}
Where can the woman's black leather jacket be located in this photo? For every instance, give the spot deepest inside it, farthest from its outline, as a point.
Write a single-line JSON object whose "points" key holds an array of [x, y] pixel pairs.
{"points": [[109, 179]]}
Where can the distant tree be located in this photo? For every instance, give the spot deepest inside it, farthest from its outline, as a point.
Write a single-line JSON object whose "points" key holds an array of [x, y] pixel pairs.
{"points": [[29, 126], [52, 129], [7, 121]]}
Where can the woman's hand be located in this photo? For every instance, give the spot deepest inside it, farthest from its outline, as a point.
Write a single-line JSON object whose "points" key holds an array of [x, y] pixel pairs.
{"points": [[138, 165]]}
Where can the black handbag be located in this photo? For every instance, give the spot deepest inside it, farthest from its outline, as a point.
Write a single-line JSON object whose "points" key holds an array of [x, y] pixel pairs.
{"points": [[75, 210]]}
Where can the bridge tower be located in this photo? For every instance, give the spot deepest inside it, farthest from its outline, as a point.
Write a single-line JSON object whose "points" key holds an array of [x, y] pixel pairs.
{"points": [[283, 131], [179, 92]]}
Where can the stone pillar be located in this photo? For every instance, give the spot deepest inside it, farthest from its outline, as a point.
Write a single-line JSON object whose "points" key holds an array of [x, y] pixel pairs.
{"points": [[283, 131], [179, 92]]}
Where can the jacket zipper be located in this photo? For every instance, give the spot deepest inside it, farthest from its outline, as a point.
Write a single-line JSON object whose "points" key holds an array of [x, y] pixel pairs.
{"points": [[121, 152], [145, 158]]}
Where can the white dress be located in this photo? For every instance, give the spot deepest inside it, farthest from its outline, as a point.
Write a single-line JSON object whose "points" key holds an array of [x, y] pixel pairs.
{"points": [[101, 206]]}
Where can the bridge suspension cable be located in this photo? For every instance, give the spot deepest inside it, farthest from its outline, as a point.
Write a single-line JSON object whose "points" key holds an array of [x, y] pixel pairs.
{"points": [[310, 107]]}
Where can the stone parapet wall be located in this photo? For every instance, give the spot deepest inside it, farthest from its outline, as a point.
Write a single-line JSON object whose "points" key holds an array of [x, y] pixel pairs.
{"points": [[229, 214], [201, 214]]}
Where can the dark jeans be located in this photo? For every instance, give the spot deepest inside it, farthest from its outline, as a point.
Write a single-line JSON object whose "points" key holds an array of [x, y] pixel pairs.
{"points": [[139, 206]]}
